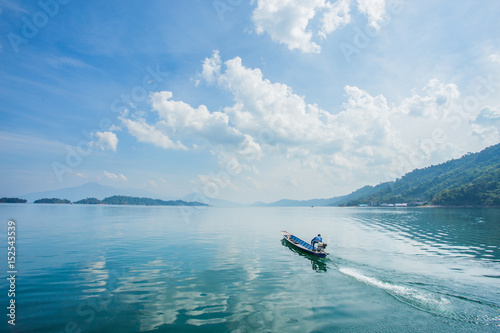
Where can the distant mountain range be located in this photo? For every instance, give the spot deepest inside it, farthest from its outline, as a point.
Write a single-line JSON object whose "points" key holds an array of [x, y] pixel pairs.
{"points": [[102, 192], [473, 179], [335, 201], [199, 197]]}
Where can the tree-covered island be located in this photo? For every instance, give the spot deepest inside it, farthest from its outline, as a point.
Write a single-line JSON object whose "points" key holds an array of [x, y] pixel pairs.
{"points": [[12, 200], [52, 201]]}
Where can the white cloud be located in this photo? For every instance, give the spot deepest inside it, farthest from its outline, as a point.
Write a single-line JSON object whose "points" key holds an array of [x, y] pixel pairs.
{"points": [[181, 120], [368, 134], [374, 10], [336, 15], [488, 117], [439, 100], [270, 137], [114, 128], [187, 126], [486, 126], [105, 140], [297, 23], [113, 176], [495, 57], [282, 125], [211, 68], [286, 22], [260, 104], [150, 134], [277, 118], [214, 182]]}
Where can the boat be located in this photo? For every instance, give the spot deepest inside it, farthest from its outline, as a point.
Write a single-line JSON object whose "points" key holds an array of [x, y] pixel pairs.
{"points": [[317, 263], [304, 246]]}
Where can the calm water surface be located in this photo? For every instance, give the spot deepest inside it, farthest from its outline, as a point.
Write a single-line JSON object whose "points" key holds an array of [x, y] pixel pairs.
{"points": [[167, 269]]}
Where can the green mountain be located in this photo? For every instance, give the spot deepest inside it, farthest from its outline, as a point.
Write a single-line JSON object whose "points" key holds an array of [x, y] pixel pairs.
{"points": [[472, 180]]}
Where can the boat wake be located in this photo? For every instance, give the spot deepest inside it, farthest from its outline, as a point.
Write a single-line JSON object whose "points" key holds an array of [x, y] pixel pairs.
{"points": [[420, 299], [449, 306]]}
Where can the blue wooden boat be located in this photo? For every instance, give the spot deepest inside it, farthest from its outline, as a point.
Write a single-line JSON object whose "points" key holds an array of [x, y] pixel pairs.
{"points": [[304, 246]]}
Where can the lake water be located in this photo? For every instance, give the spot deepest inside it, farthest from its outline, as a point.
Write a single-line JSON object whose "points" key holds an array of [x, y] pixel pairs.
{"points": [[168, 269]]}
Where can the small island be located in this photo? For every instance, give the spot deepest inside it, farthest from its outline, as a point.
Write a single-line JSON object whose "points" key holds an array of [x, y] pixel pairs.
{"points": [[52, 201], [12, 200], [89, 201]]}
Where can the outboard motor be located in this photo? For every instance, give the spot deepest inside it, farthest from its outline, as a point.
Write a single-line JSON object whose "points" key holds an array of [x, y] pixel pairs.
{"points": [[321, 246]]}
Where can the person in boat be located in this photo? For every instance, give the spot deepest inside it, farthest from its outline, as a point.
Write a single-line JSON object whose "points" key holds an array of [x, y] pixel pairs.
{"points": [[315, 240]]}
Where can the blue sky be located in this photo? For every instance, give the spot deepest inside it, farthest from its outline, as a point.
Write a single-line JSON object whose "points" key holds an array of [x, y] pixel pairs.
{"points": [[242, 100]]}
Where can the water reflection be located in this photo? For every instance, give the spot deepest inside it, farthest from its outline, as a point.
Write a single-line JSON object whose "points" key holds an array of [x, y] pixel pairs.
{"points": [[460, 233], [136, 275], [317, 264]]}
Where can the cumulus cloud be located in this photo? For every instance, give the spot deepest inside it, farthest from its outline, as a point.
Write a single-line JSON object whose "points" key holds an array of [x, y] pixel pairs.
{"points": [[279, 119], [374, 10], [211, 68], [179, 126], [486, 125], [270, 134], [105, 140], [286, 22], [297, 23], [336, 15], [438, 101], [260, 105], [144, 132], [368, 131], [180, 119], [113, 176]]}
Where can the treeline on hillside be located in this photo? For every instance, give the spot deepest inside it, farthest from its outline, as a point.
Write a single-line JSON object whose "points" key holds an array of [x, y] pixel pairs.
{"points": [[482, 192], [473, 180]]}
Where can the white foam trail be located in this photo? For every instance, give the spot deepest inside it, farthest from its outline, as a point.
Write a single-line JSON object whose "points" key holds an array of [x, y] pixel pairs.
{"points": [[410, 295]]}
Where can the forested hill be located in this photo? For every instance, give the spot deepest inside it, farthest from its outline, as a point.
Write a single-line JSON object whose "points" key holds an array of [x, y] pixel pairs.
{"points": [[473, 180], [125, 200]]}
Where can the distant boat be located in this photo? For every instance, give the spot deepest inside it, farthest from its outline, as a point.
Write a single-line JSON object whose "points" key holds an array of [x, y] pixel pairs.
{"points": [[304, 246]]}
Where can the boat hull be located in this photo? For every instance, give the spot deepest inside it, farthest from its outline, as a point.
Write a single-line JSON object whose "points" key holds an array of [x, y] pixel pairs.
{"points": [[302, 245]]}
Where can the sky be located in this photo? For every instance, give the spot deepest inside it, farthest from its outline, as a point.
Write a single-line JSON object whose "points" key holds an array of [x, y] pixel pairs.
{"points": [[242, 100]]}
